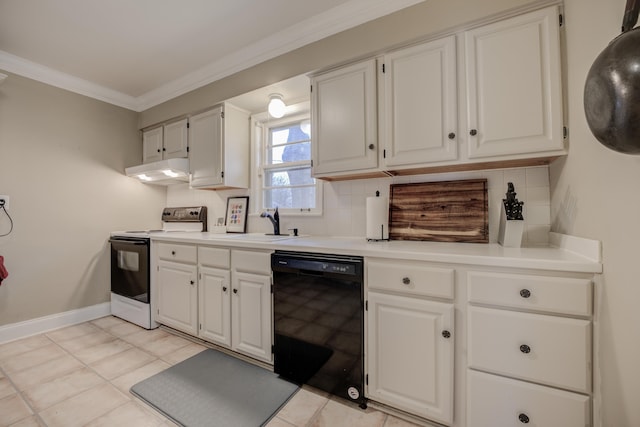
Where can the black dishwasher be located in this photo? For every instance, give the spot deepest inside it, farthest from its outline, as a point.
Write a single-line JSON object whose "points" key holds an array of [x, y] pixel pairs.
{"points": [[318, 319]]}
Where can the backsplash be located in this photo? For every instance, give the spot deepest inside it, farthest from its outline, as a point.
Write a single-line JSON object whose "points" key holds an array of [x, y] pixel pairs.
{"points": [[344, 203]]}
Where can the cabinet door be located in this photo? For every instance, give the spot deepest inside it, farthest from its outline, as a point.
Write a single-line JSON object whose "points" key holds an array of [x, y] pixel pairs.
{"points": [[344, 124], [214, 287], [176, 136], [410, 355], [251, 315], [177, 296], [418, 106], [206, 148], [152, 145], [513, 83]]}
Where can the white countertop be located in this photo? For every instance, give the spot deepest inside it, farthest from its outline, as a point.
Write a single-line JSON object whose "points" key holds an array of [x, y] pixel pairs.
{"points": [[555, 258]]}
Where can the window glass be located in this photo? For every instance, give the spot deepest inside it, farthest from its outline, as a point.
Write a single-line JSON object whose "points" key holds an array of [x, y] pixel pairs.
{"points": [[286, 180]]}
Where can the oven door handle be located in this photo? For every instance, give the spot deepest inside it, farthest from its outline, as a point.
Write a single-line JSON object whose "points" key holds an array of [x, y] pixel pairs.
{"points": [[128, 242]]}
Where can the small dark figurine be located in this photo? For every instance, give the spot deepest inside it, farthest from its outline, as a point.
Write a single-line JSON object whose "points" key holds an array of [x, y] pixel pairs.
{"points": [[512, 207]]}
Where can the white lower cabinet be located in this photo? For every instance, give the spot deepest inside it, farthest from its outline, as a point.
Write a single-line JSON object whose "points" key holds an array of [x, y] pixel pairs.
{"points": [[177, 296], [529, 349], [500, 401], [251, 307], [176, 286], [410, 339], [550, 350], [251, 315], [203, 293], [410, 355], [215, 305], [214, 294]]}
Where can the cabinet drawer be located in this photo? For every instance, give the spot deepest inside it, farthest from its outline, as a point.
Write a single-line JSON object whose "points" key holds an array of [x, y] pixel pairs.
{"points": [[251, 261], [499, 401], [178, 253], [550, 350], [410, 278], [214, 257], [540, 293]]}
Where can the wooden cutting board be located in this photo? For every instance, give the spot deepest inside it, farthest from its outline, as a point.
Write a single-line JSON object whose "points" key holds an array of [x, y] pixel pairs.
{"points": [[448, 211]]}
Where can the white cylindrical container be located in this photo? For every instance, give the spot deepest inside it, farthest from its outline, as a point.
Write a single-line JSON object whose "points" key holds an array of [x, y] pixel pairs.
{"points": [[377, 218]]}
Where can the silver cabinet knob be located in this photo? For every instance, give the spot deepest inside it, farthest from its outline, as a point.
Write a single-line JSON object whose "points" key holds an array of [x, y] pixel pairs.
{"points": [[371, 146], [406, 280], [446, 334], [173, 253], [525, 293], [224, 289], [525, 349]]}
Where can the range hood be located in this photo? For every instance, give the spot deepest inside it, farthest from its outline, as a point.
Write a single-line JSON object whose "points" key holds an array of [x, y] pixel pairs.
{"points": [[163, 172]]}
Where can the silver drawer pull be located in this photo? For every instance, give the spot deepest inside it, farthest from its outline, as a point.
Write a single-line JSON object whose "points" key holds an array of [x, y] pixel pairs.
{"points": [[446, 334], [224, 289], [406, 280], [524, 419], [525, 293], [525, 349], [173, 252]]}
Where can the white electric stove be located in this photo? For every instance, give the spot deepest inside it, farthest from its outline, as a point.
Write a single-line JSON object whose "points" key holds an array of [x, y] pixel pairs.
{"points": [[130, 263]]}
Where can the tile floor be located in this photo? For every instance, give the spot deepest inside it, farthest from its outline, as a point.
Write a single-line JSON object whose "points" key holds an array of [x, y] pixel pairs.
{"points": [[81, 375]]}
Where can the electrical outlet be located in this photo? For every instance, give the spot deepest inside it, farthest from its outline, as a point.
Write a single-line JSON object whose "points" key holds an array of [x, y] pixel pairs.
{"points": [[4, 200]]}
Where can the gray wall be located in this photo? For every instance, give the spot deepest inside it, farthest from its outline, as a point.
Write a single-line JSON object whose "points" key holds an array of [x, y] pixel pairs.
{"points": [[422, 20], [594, 194], [62, 159]]}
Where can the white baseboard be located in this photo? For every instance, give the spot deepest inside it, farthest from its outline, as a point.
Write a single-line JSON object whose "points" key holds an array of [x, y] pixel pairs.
{"points": [[31, 327]]}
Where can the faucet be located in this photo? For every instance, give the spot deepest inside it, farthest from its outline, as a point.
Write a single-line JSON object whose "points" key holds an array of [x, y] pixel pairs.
{"points": [[275, 220]]}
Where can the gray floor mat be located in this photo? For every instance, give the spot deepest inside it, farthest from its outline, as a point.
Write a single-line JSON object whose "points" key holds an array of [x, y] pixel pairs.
{"points": [[213, 389]]}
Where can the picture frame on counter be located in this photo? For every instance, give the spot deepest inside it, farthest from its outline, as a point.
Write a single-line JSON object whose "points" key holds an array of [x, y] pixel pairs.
{"points": [[236, 218]]}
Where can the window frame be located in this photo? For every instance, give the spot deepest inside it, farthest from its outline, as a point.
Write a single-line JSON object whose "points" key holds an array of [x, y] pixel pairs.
{"points": [[261, 125]]}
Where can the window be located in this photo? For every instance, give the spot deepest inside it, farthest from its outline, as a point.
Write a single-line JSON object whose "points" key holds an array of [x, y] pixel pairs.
{"points": [[284, 179]]}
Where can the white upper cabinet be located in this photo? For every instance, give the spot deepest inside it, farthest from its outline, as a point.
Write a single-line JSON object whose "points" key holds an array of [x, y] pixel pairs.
{"points": [[513, 86], [219, 148], [166, 142], [205, 163], [152, 145], [483, 98], [344, 120], [176, 139], [417, 104]]}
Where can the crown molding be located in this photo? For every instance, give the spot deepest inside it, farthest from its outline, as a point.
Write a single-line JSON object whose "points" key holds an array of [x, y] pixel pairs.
{"points": [[333, 21], [16, 65]]}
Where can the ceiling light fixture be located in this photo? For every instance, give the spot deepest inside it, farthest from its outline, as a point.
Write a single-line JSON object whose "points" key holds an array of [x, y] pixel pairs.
{"points": [[276, 105]]}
